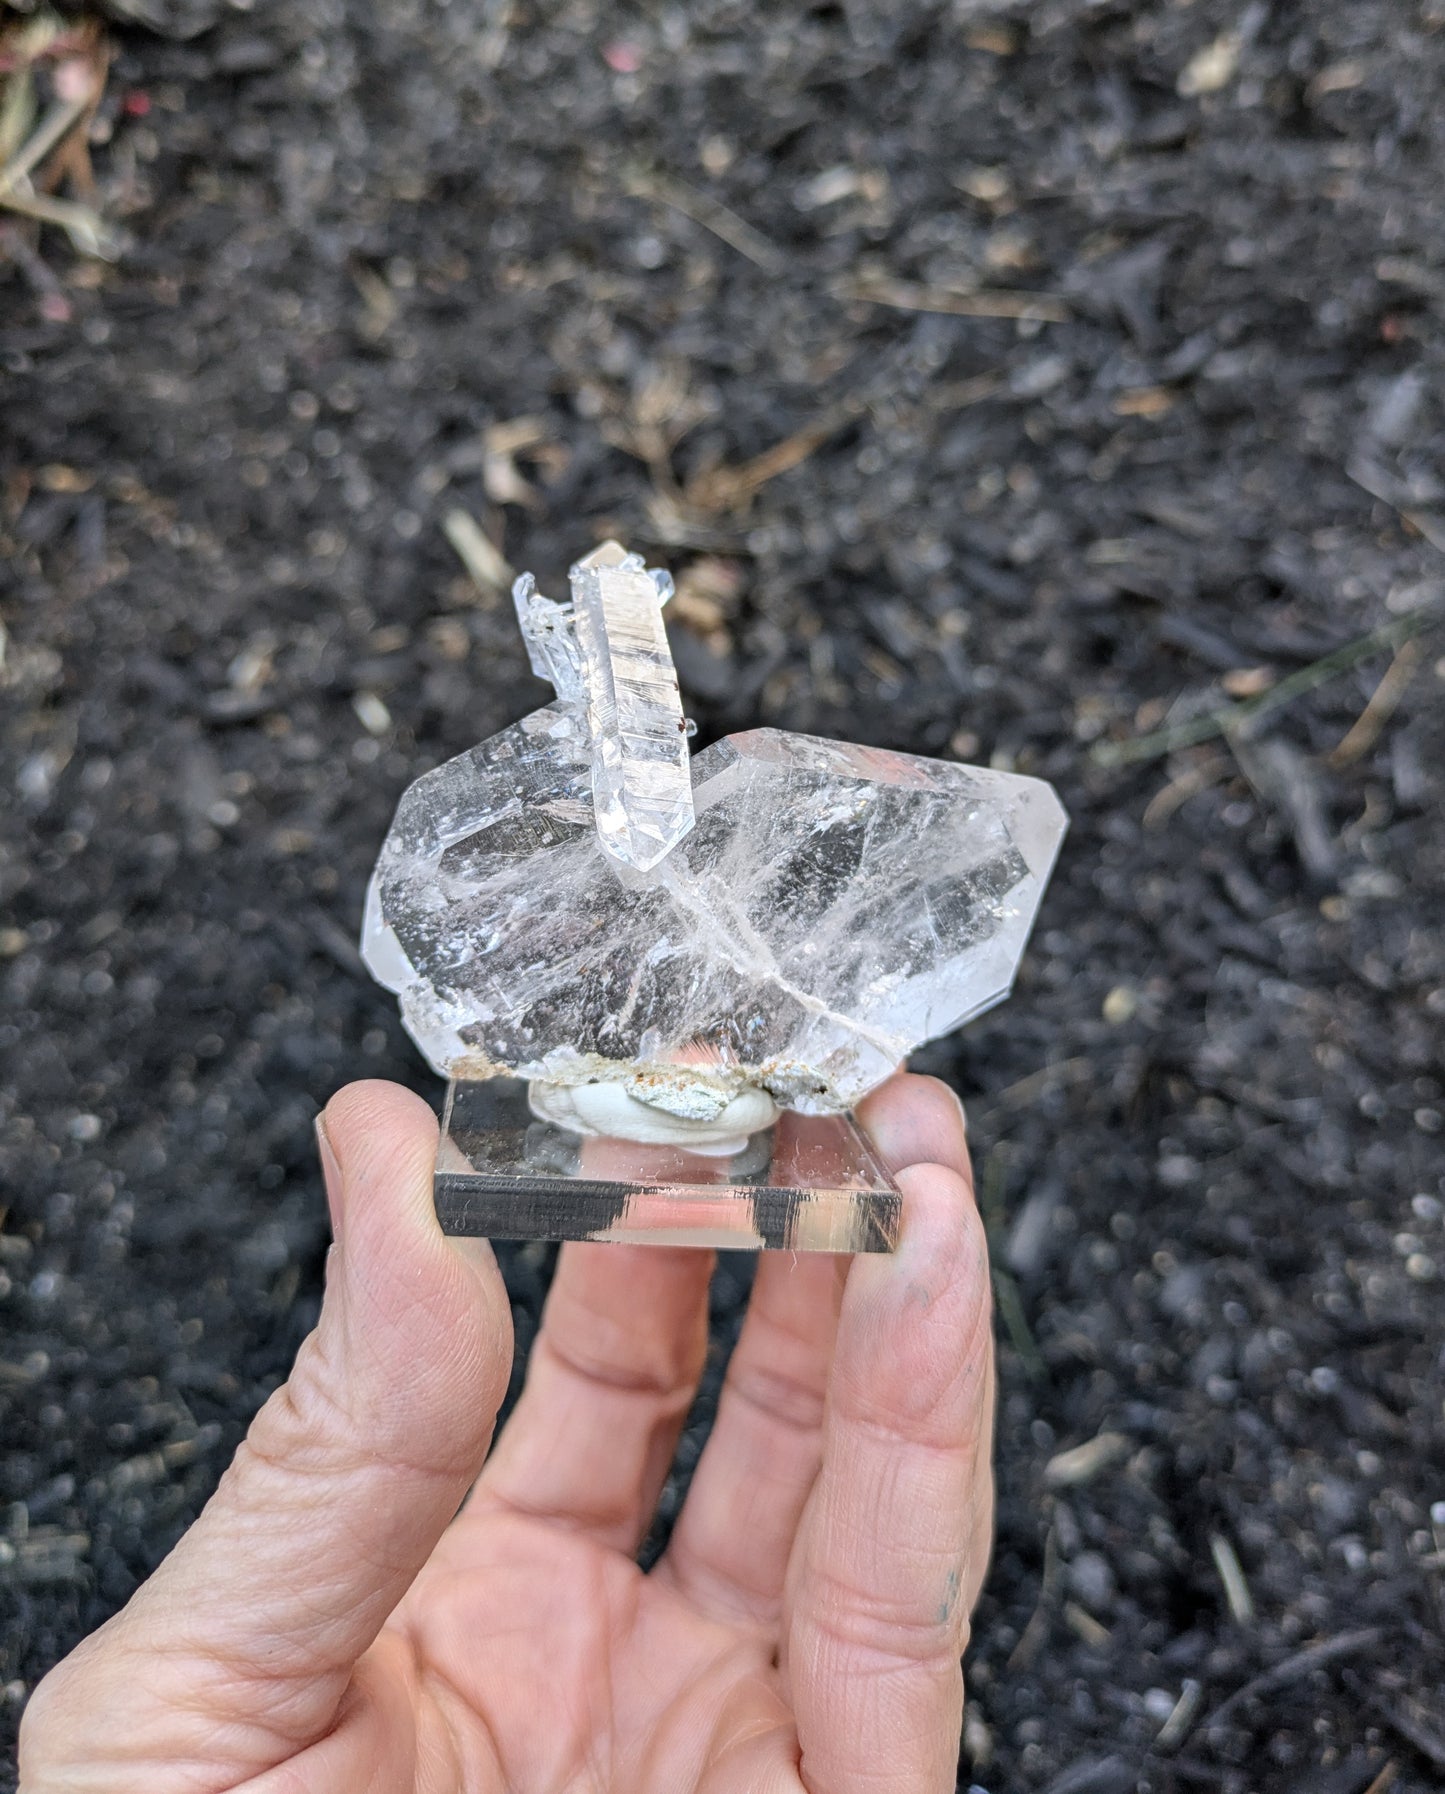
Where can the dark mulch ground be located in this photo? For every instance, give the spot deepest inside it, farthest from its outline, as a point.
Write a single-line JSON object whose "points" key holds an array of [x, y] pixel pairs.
{"points": [[363, 241]]}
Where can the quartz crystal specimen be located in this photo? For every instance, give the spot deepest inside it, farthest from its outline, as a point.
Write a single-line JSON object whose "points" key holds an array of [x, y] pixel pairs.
{"points": [[551, 906]]}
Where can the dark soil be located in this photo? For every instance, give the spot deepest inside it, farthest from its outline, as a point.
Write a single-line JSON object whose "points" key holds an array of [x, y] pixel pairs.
{"points": [[361, 241]]}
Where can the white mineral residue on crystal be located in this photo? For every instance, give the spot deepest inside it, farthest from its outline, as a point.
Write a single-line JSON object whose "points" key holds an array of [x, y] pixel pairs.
{"points": [[833, 907], [641, 783], [691, 1099]]}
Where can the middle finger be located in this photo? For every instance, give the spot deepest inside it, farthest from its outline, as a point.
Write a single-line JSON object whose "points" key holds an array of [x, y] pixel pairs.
{"points": [[729, 1551], [730, 1548], [611, 1377]]}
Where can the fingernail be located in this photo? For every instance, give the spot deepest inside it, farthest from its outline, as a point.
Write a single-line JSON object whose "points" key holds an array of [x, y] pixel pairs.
{"points": [[330, 1175]]}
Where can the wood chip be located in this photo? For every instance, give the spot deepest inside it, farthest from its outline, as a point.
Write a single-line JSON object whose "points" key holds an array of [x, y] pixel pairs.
{"points": [[486, 563], [1211, 68], [983, 302], [1083, 1625], [1176, 1726], [1189, 784], [1143, 401], [651, 183], [1082, 1463], [1236, 1589], [1247, 682], [1369, 725]]}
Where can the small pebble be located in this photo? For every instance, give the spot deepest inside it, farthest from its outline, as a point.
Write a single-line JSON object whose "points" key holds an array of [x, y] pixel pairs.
{"points": [[1159, 1703], [1092, 1580], [1120, 1006], [371, 713]]}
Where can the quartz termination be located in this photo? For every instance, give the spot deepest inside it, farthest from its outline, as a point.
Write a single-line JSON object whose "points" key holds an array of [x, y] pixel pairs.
{"points": [[607, 654]]}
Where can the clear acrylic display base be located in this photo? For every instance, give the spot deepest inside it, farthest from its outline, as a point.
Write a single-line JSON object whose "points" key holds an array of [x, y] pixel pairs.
{"points": [[809, 1184]]}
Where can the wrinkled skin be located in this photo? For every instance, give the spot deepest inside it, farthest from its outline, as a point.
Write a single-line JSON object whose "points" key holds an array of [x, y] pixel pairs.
{"points": [[328, 1627]]}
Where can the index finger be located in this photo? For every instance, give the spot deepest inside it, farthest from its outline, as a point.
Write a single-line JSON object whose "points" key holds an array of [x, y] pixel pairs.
{"points": [[891, 1549], [239, 1651]]}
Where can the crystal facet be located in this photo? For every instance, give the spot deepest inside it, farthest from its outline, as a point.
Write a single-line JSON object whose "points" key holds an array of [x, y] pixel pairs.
{"points": [[833, 907]]}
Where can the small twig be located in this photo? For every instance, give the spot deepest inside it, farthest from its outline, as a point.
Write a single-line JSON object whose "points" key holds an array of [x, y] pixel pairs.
{"points": [[730, 488], [1189, 784], [481, 558], [651, 183], [1369, 725], [56, 125], [1236, 1589], [85, 228], [1016, 1322], [985, 302], [1024, 1091], [1083, 1625], [1378, 483], [1176, 1727], [1296, 1667], [1006, 1295], [958, 395], [33, 267], [17, 107], [1032, 1639], [1430, 1744], [1082, 1463], [1232, 718], [72, 159], [1385, 1779]]}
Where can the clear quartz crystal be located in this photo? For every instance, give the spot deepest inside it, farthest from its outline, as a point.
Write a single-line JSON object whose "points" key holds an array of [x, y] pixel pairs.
{"points": [[833, 907], [551, 643], [641, 787], [607, 653]]}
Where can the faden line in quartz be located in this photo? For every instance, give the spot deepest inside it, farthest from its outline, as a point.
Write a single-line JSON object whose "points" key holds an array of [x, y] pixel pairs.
{"points": [[832, 907], [607, 653]]}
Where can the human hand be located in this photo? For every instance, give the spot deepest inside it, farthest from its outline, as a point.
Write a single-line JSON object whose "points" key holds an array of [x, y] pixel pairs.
{"points": [[327, 1627]]}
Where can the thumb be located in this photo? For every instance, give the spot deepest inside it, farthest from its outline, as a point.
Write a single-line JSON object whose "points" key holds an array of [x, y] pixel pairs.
{"points": [[239, 1649]]}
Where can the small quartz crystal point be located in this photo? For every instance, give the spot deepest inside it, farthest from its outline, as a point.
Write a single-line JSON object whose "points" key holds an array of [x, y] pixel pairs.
{"points": [[607, 653]]}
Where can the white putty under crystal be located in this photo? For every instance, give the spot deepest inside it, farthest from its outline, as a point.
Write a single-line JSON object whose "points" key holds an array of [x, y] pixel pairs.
{"points": [[607, 1110]]}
